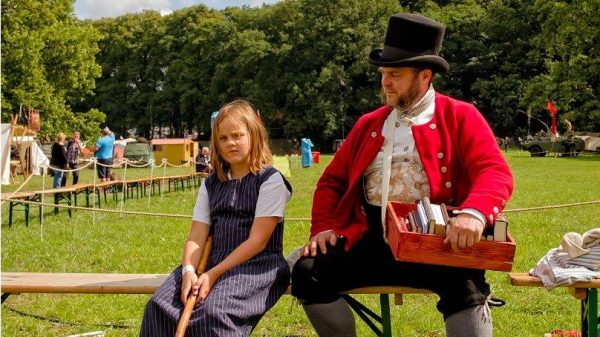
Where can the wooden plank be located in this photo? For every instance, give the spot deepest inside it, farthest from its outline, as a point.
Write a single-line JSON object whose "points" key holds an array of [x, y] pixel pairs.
{"points": [[86, 283], [526, 280], [18, 195], [96, 283]]}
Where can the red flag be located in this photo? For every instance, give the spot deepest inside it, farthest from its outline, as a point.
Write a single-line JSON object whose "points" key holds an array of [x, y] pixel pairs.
{"points": [[553, 111]]}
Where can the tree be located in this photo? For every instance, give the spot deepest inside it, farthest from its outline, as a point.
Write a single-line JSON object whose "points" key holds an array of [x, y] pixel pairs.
{"points": [[48, 60], [571, 37]]}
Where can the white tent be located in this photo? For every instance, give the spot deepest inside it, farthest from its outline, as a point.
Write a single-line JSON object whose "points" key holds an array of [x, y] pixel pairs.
{"points": [[37, 158], [592, 141]]}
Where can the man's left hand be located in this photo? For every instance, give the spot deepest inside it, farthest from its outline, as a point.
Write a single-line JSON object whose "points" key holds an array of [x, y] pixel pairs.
{"points": [[464, 232]]}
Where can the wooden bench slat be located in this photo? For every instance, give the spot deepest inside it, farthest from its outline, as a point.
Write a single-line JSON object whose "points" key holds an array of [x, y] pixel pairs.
{"points": [[526, 280], [95, 283], [87, 283]]}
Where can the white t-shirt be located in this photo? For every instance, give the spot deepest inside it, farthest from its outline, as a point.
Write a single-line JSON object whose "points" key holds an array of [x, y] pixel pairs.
{"points": [[273, 195]]}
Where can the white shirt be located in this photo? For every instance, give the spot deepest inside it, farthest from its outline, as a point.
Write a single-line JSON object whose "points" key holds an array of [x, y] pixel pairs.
{"points": [[273, 195]]}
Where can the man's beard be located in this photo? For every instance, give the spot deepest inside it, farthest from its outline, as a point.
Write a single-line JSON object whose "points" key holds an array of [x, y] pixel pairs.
{"points": [[403, 101]]}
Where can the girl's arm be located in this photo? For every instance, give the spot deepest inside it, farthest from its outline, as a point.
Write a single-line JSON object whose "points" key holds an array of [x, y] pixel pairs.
{"points": [[260, 233], [192, 250]]}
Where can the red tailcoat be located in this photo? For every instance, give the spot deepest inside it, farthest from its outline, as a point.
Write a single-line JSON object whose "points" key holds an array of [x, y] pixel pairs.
{"points": [[458, 151]]}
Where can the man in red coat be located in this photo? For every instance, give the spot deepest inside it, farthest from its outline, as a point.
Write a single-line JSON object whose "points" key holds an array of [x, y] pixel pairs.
{"points": [[420, 144]]}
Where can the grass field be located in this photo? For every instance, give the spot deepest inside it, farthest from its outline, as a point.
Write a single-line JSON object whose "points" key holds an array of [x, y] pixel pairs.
{"points": [[143, 244]]}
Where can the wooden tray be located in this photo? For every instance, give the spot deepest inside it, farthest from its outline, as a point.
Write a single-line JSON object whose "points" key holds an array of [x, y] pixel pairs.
{"points": [[431, 249]]}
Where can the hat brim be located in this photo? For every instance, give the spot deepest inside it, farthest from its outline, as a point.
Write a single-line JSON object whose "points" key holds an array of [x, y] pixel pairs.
{"points": [[436, 63]]}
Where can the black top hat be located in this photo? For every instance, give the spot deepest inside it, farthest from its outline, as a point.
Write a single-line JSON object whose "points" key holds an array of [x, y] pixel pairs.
{"points": [[411, 40]]}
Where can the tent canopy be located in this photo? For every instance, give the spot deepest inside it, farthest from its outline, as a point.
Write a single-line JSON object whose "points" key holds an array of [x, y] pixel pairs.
{"points": [[23, 141]]}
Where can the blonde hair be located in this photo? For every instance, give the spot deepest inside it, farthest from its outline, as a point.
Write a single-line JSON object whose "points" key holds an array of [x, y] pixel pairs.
{"points": [[260, 155], [60, 136]]}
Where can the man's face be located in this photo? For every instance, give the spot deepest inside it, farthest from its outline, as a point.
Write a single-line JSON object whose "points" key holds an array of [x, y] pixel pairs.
{"points": [[76, 136], [402, 87]]}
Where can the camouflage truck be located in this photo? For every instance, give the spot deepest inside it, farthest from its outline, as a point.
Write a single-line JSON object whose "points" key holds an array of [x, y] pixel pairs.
{"points": [[543, 143]]}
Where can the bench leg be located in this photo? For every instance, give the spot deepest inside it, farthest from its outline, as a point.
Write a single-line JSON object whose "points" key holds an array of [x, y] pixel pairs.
{"points": [[5, 296], [11, 205], [69, 203], [26, 215], [368, 316], [589, 314], [386, 324]]}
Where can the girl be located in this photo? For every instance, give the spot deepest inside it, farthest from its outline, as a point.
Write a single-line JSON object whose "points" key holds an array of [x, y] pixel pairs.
{"points": [[242, 202]]}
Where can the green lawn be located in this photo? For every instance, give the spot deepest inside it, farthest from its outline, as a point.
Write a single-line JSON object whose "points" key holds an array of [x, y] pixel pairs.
{"points": [[143, 244]]}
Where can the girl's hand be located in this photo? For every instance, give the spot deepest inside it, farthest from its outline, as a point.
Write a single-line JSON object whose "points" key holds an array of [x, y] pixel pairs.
{"points": [[186, 285], [203, 286]]}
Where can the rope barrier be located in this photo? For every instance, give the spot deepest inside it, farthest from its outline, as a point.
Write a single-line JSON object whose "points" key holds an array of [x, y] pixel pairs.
{"points": [[528, 209], [70, 170], [297, 219], [151, 181], [166, 215], [130, 163], [44, 171], [162, 182], [124, 186], [18, 189], [94, 194]]}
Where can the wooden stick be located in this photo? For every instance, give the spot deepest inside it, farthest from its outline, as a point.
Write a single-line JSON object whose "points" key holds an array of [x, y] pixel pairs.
{"points": [[191, 300]]}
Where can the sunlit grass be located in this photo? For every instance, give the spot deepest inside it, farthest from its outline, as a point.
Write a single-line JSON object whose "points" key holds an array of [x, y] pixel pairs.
{"points": [[110, 243]]}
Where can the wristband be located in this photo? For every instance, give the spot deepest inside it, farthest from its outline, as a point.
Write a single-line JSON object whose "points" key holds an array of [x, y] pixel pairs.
{"points": [[187, 268]]}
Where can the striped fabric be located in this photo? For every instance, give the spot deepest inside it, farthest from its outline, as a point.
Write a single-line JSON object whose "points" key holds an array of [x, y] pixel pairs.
{"points": [[244, 293], [557, 269]]}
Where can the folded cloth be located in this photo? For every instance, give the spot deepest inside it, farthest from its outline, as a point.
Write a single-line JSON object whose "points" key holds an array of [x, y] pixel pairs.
{"points": [[591, 238], [557, 268]]}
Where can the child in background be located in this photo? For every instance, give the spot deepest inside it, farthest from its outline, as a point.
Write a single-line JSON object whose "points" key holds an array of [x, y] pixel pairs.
{"points": [[242, 203]]}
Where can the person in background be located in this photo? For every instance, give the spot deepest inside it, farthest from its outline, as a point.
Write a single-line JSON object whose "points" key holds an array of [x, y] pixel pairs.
{"points": [[305, 146], [74, 148], [419, 144], [243, 204], [104, 153], [59, 159], [203, 161]]}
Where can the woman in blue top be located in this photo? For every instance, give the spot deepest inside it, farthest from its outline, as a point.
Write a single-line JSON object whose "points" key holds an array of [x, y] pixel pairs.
{"points": [[243, 201]]}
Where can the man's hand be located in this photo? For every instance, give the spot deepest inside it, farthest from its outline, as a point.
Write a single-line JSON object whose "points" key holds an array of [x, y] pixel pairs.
{"points": [[465, 231], [321, 241]]}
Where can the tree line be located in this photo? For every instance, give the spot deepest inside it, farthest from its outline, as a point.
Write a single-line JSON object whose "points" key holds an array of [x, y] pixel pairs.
{"points": [[302, 63]]}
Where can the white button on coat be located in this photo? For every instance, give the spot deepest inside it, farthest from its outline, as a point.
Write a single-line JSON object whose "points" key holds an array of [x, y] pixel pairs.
{"points": [[440, 155], [432, 126], [373, 134], [443, 169], [448, 184]]}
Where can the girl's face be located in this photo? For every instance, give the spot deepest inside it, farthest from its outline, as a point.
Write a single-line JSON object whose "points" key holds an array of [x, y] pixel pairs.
{"points": [[234, 143]]}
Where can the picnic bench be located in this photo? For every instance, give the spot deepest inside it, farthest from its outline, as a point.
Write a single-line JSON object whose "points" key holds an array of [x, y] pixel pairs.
{"points": [[17, 199], [68, 194], [586, 292], [95, 283]]}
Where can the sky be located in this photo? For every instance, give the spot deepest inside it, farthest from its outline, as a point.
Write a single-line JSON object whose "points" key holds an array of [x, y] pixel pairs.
{"points": [[95, 9]]}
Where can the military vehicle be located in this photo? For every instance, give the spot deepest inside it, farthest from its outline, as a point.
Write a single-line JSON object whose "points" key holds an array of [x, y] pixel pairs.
{"points": [[543, 143], [140, 152]]}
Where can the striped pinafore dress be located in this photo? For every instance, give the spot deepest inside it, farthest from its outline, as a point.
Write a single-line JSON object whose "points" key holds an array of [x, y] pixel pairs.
{"points": [[242, 295]]}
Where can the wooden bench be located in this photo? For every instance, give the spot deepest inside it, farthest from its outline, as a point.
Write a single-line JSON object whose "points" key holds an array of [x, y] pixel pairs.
{"points": [[587, 292], [93, 283], [16, 199]]}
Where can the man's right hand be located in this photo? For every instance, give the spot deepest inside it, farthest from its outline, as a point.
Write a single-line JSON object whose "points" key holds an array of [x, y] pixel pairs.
{"points": [[321, 241]]}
